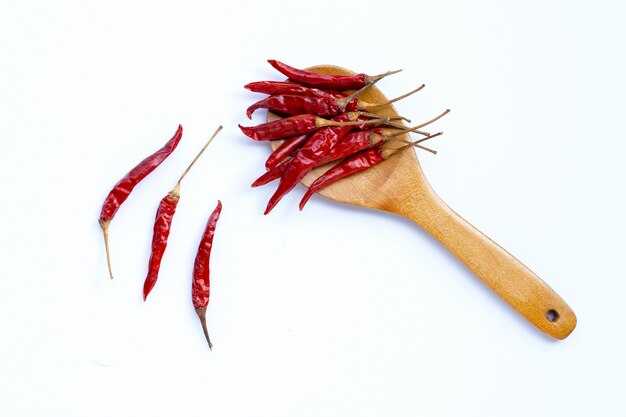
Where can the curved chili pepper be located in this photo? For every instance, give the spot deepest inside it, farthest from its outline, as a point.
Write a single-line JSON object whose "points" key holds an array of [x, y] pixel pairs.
{"points": [[282, 128], [333, 82], [125, 186], [201, 284], [294, 126], [272, 174], [305, 159], [284, 150], [162, 225], [357, 163], [291, 104], [352, 143], [288, 87], [366, 157], [348, 145], [161, 232]]}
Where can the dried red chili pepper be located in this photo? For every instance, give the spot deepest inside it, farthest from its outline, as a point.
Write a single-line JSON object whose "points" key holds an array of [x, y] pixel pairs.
{"points": [[276, 163], [201, 284], [291, 104], [162, 225], [352, 143], [161, 231], [349, 145], [296, 125], [282, 128], [358, 162], [125, 186], [272, 174], [305, 159], [285, 149], [287, 87], [333, 82]]}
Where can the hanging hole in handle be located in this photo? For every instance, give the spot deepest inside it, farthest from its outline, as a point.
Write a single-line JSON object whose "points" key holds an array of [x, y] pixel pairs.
{"points": [[552, 316]]}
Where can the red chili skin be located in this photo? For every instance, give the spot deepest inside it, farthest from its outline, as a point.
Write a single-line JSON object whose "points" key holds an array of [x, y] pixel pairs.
{"points": [[292, 105], [357, 163], [311, 79], [201, 285], [282, 128], [272, 174], [285, 149], [124, 187], [305, 159], [162, 226], [350, 144], [288, 87]]}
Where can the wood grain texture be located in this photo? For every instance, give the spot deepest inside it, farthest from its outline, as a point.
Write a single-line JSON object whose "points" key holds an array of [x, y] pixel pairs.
{"points": [[398, 185]]}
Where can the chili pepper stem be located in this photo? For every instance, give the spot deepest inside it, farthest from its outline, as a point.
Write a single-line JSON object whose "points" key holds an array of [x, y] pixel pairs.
{"points": [[388, 121], [176, 191], [373, 106], [326, 123], [404, 129], [200, 153], [104, 224], [429, 137], [408, 130], [378, 116], [390, 152], [201, 312], [415, 128], [373, 79], [343, 102], [432, 120]]}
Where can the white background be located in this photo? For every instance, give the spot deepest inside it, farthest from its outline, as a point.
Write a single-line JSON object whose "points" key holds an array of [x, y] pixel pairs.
{"points": [[333, 311]]}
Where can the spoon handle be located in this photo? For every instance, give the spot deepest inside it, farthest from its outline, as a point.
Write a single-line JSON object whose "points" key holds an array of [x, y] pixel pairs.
{"points": [[503, 273]]}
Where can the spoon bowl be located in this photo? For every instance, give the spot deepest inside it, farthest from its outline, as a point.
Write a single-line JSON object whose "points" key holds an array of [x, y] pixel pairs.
{"points": [[398, 185]]}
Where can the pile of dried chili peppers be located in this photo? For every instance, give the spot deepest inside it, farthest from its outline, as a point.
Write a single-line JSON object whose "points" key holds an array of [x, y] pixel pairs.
{"points": [[324, 122], [200, 287]]}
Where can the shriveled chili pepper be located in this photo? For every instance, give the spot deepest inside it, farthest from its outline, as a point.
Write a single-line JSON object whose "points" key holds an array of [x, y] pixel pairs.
{"points": [[201, 284], [288, 87], [350, 144], [285, 149], [162, 225], [291, 104], [294, 126], [125, 186], [333, 82], [272, 174], [358, 162], [305, 159]]}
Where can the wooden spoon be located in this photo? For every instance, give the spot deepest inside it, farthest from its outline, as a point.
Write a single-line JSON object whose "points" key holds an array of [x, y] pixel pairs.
{"points": [[398, 185]]}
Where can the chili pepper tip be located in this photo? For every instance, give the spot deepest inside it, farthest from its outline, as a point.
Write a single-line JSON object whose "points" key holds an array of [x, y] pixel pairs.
{"points": [[104, 224], [201, 312], [248, 131]]}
